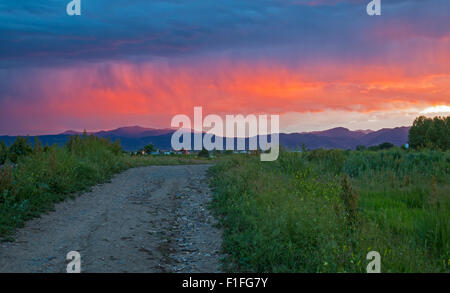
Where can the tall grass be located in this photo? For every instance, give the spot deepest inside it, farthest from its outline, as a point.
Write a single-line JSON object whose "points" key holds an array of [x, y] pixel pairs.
{"points": [[324, 210], [45, 175]]}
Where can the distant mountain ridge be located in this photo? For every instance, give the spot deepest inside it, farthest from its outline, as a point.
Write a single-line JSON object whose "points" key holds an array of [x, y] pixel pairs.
{"points": [[135, 137], [127, 131], [343, 138]]}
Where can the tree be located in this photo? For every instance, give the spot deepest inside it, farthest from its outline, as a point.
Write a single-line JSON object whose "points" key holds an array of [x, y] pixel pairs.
{"points": [[431, 133], [150, 148], [3, 152], [381, 146], [385, 146]]}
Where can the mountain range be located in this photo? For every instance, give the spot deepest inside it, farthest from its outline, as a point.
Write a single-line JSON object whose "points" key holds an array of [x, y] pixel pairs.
{"points": [[135, 137]]}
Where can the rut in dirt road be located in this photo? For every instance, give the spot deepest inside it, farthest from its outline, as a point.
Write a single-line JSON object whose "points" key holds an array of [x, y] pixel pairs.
{"points": [[148, 219]]}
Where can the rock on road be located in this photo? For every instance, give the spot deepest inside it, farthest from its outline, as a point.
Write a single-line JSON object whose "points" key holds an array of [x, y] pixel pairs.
{"points": [[147, 219]]}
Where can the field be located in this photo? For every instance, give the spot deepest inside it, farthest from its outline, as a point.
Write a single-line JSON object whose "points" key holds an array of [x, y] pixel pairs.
{"points": [[43, 176], [324, 210], [314, 211]]}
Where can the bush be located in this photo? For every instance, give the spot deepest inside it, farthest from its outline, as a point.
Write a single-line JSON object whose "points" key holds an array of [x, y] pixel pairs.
{"points": [[385, 146], [203, 153], [349, 198], [21, 147], [381, 146], [82, 144], [360, 147]]}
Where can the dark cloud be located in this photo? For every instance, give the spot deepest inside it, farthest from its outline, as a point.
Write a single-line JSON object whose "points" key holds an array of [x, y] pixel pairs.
{"points": [[184, 48], [39, 33]]}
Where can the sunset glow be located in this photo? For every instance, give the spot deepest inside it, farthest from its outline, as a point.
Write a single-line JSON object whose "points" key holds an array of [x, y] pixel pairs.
{"points": [[293, 58], [436, 109]]}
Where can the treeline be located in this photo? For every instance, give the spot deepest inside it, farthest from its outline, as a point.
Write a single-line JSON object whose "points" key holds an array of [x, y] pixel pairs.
{"points": [[430, 133], [425, 133], [381, 146]]}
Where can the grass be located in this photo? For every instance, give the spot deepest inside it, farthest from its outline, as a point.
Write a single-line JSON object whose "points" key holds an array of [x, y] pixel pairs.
{"points": [[324, 210], [49, 175], [317, 211]]}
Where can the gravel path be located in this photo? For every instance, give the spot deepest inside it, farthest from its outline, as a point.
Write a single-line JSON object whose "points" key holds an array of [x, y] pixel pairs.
{"points": [[148, 219]]}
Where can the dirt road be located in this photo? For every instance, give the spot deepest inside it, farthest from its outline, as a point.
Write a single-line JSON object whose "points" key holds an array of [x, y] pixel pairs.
{"points": [[149, 219]]}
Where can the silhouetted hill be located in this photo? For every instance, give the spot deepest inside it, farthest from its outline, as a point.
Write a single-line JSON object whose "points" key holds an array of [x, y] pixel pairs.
{"points": [[344, 138], [396, 136], [135, 137], [127, 131]]}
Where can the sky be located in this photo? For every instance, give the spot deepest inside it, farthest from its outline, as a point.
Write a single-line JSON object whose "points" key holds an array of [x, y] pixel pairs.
{"points": [[317, 63]]}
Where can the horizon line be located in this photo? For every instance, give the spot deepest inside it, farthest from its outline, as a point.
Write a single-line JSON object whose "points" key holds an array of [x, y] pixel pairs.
{"points": [[174, 129]]}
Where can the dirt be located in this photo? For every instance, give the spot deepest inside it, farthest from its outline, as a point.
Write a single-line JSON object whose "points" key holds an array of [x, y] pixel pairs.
{"points": [[148, 219]]}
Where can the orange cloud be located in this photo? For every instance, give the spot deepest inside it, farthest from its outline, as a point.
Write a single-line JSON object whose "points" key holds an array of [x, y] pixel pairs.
{"points": [[107, 94]]}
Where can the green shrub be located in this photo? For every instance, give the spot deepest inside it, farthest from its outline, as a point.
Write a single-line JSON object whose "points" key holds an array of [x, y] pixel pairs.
{"points": [[203, 153], [21, 147], [360, 148], [385, 146]]}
